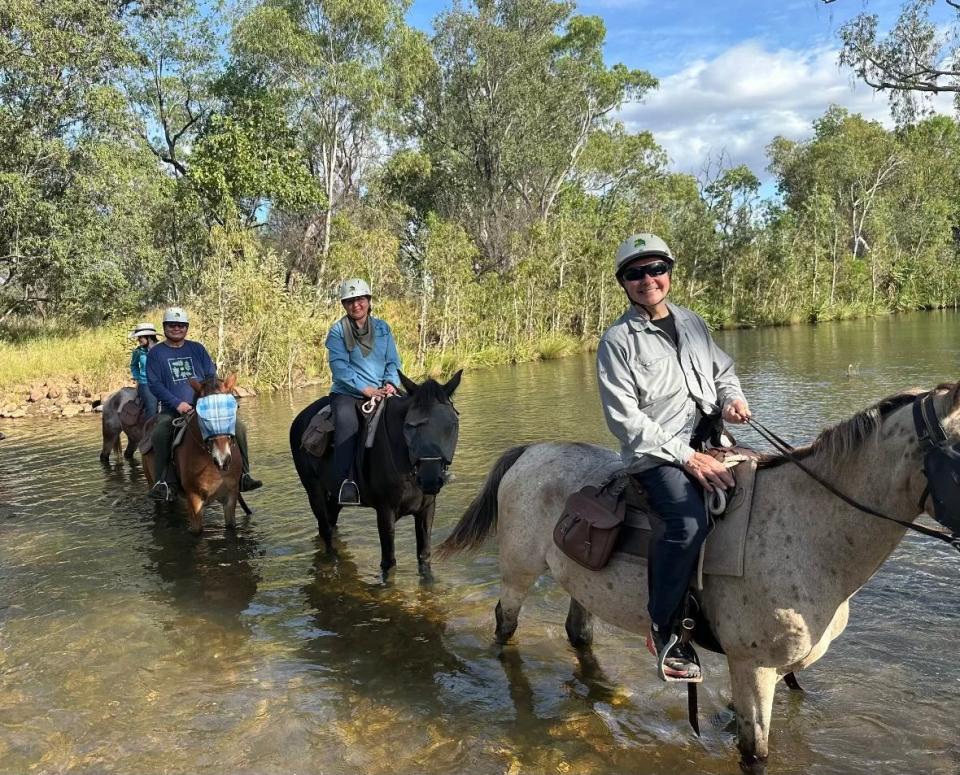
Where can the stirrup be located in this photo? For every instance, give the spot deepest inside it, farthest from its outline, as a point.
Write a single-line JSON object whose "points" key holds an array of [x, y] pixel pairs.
{"points": [[692, 673], [349, 494], [162, 491]]}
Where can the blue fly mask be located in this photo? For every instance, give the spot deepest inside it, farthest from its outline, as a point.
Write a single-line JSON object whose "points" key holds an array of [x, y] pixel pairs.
{"points": [[217, 415]]}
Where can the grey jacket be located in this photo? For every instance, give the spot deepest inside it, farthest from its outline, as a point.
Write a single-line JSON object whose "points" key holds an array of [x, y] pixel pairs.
{"points": [[650, 392]]}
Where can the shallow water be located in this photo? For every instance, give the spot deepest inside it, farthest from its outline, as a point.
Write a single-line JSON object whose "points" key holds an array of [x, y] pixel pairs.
{"points": [[128, 646]]}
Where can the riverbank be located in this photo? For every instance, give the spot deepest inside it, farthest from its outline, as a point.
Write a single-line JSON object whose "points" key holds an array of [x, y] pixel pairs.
{"points": [[65, 374]]}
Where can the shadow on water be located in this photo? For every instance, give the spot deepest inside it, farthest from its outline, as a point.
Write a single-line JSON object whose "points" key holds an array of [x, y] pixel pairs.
{"points": [[392, 641], [212, 577]]}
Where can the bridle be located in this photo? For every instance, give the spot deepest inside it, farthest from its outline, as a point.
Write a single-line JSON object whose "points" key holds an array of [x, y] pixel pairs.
{"points": [[939, 457]]}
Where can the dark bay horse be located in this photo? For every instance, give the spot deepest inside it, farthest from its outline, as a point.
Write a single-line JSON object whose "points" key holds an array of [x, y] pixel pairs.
{"points": [[208, 469], [807, 551], [402, 472]]}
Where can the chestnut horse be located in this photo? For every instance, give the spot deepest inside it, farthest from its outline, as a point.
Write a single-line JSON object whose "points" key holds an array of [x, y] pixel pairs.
{"points": [[807, 550], [208, 470]]}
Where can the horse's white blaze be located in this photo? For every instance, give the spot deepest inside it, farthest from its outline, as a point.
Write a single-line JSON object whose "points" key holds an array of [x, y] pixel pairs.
{"points": [[221, 453]]}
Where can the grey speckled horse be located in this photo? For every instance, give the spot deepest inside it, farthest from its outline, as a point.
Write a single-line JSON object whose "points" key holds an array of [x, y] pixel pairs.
{"points": [[807, 551]]}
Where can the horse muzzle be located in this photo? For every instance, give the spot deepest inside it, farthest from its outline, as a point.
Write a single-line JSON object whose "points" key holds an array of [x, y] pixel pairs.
{"points": [[220, 449], [431, 474]]}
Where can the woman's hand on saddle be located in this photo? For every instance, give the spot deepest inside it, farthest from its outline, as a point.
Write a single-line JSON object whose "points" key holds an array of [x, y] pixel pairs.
{"points": [[708, 472], [736, 411], [184, 408]]}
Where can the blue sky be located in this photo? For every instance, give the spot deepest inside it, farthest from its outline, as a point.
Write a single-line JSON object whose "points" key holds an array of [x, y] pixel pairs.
{"points": [[733, 73]]}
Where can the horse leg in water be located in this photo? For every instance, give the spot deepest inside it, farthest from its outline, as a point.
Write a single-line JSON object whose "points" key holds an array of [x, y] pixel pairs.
{"points": [[423, 520], [753, 688], [195, 512], [325, 515], [110, 427], [386, 521], [132, 442], [230, 510], [516, 578], [579, 625]]}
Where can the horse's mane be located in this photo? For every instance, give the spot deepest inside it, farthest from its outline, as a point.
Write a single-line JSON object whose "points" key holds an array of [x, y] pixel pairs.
{"points": [[838, 441], [430, 392]]}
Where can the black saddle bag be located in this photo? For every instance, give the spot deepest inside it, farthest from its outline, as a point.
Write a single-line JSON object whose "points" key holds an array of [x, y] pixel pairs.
{"points": [[591, 521]]}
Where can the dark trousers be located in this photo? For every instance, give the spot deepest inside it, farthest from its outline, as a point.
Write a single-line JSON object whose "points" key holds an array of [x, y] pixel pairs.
{"points": [[675, 545], [346, 429], [148, 400]]}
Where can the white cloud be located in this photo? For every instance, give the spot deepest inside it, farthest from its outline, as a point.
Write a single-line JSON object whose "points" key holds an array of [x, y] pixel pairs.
{"points": [[736, 102]]}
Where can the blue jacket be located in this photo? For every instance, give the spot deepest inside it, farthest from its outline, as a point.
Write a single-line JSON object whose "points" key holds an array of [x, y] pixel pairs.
{"points": [[352, 372], [138, 365], [169, 370]]}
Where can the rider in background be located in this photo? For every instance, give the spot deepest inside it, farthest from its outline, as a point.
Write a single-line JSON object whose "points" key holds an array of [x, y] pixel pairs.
{"points": [[364, 363], [146, 336], [171, 365], [657, 365]]}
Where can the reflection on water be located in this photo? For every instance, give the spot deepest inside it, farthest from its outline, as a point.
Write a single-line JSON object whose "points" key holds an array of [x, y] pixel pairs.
{"points": [[126, 645]]}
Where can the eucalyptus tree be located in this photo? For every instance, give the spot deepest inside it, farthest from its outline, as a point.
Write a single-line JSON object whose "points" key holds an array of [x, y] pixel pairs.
{"points": [[516, 89], [343, 68], [76, 201], [917, 58], [850, 165]]}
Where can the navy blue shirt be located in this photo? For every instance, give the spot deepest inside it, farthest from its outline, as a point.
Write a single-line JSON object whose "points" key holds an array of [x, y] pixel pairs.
{"points": [[170, 369]]}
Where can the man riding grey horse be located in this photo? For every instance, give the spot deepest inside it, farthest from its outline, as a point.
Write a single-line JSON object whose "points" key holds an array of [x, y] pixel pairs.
{"points": [[171, 365], [657, 367]]}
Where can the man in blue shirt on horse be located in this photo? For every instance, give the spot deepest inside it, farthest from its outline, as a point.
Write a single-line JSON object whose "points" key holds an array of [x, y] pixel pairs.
{"points": [[365, 364], [171, 365]]}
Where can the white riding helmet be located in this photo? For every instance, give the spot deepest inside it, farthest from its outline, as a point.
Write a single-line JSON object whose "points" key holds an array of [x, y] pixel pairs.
{"points": [[175, 315], [351, 289], [640, 245], [143, 329]]}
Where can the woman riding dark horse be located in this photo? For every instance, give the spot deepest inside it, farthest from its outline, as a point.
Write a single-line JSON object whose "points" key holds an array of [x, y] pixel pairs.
{"points": [[402, 471], [365, 365]]}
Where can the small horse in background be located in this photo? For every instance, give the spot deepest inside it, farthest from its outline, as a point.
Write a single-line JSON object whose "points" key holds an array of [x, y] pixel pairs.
{"points": [[402, 471], [112, 424], [807, 551], [208, 469]]}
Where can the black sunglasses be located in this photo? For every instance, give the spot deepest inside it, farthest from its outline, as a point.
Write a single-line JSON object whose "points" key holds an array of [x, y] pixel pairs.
{"points": [[655, 269]]}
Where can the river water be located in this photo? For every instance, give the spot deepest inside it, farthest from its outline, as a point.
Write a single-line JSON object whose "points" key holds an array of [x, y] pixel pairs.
{"points": [[127, 646]]}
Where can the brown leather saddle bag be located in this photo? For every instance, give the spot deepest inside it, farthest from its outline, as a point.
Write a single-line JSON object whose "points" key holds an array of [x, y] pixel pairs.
{"points": [[591, 521], [131, 413]]}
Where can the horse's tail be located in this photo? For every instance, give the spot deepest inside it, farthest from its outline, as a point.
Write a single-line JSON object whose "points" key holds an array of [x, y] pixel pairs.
{"points": [[480, 518]]}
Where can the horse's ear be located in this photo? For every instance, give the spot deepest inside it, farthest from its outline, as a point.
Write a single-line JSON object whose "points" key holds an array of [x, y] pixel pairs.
{"points": [[408, 384], [229, 382], [197, 387], [453, 383]]}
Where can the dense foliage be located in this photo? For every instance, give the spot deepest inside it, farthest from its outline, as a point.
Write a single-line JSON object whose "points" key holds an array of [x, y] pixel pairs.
{"points": [[243, 162]]}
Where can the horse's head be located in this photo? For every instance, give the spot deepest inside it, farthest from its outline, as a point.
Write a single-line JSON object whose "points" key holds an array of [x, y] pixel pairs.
{"points": [[216, 410], [936, 420], [430, 429]]}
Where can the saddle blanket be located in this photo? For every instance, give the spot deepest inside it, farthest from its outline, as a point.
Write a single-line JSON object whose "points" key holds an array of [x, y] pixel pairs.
{"points": [[724, 548]]}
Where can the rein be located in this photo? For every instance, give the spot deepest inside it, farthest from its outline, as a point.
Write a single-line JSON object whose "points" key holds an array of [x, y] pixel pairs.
{"points": [[788, 452]]}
